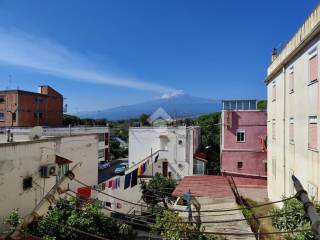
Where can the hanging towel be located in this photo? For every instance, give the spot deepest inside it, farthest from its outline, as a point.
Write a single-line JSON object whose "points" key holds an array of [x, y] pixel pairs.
{"points": [[144, 167], [139, 171], [148, 161], [99, 187], [104, 186], [127, 180], [110, 184], [84, 192], [134, 178], [156, 159], [119, 182]]}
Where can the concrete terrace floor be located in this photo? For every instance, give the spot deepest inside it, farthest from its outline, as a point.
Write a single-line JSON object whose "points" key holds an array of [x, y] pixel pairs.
{"points": [[214, 193]]}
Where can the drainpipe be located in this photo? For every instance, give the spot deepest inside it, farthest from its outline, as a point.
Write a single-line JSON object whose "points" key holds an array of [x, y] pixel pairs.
{"points": [[284, 129]]}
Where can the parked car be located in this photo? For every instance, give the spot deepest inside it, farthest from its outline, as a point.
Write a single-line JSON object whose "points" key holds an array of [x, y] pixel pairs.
{"points": [[121, 168], [103, 165]]}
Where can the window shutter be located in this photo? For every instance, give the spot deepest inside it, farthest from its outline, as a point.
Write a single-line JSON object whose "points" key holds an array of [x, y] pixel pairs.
{"points": [[313, 133], [313, 68]]}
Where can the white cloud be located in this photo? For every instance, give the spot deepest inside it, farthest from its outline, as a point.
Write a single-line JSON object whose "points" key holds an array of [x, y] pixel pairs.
{"points": [[172, 94], [20, 49]]}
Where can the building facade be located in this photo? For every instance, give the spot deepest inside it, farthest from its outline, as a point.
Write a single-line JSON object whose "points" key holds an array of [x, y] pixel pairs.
{"points": [[25, 163], [243, 139], [178, 149], [29, 109], [293, 113]]}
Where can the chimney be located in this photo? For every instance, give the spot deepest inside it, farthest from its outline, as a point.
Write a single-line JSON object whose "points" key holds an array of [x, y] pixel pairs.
{"points": [[274, 54]]}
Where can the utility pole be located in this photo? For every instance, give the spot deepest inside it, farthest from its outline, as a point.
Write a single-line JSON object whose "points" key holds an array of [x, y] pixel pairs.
{"points": [[42, 208], [309, 208]]}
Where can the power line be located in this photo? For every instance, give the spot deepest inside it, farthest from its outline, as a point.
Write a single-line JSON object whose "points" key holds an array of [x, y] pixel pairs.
{"points": [[77, 230], [178, 210]]}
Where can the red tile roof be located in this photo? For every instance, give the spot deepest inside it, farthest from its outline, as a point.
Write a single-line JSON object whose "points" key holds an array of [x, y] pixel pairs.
{"points": [[248, 182], [204, 186]]}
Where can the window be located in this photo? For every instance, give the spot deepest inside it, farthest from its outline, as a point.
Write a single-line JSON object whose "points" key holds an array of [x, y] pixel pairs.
{"points": [[101, 153], [313, 66], [241, 136], [274, 129], [291, 130], [312, 132], [291, 80], [274, 91], [27, 183], [240, 165], [265, 166], [2, 99], [1, 116], [40, 115]]}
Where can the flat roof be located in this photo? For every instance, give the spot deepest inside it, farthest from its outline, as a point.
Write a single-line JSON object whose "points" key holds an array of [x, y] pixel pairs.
{"points": [[204, 186], [22, 92]]}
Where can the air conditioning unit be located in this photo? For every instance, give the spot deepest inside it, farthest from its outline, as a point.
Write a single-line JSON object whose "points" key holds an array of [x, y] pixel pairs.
{"points": [[49, 170]]}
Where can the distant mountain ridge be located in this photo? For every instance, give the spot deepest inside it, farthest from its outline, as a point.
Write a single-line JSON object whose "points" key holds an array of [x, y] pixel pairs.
{"points": [[180, 106]]}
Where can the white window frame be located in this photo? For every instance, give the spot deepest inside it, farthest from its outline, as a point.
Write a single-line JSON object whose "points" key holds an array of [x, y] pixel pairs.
{"points": [[312, 53], [244, 135], [2, 118]]}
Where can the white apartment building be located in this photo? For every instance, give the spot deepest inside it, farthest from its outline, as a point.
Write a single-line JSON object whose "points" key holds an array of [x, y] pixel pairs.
{"points": [[29, 167], [293, 113], [178, 149]]}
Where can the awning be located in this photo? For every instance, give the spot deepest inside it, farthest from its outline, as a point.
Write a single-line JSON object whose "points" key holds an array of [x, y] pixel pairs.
{"points": [[62, 160], [201, 155]]}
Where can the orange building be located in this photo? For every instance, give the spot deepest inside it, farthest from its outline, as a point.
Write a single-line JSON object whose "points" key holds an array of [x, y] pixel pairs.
{"points": [[28, 109]]}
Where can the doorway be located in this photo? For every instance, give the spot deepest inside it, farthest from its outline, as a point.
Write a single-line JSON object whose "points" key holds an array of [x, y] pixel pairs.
{"points": [[165, 169]]}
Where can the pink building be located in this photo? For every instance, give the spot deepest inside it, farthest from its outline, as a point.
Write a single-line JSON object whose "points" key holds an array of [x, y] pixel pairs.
{"points": [[243, 139]]}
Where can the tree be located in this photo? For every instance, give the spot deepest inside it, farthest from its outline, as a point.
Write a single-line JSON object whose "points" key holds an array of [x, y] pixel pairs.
{"points": [[210, 131], [169, 227], [70, 120], [292, 218], [262, 105], [158, 188], [86, 217], [144, 119]]}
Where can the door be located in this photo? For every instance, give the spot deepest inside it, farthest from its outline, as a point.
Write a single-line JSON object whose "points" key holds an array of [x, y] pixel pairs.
{"points": [[165, 169]]}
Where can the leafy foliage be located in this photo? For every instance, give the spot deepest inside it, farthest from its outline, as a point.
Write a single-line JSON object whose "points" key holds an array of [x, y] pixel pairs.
{"points": [[144, 119], [88, 218], [12, 220], [170, 228], [158, 187], [262, 105], [210, 130], [116, 150], [292, 217]]}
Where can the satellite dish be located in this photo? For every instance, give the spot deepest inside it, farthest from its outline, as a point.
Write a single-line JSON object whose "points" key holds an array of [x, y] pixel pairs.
{"points": [[36, 133]]}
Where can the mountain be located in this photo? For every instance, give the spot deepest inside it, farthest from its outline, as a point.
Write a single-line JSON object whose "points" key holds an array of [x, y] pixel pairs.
{"points": [[180, 106]]}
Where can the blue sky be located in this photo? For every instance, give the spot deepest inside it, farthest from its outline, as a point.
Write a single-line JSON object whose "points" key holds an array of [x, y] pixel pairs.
{"points": [[101, 54]]}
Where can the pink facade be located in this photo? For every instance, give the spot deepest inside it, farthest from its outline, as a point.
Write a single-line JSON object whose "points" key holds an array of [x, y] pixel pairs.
{"points": [[243, 149]]}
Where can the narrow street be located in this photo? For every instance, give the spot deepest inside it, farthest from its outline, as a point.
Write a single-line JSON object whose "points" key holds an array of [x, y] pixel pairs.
{"points": [[108, 173]]}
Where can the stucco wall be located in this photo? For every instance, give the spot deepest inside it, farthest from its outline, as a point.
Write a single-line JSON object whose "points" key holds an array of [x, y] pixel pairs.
{"points": [[181, 144], [285, 157], [249, 152], [23, 159]]}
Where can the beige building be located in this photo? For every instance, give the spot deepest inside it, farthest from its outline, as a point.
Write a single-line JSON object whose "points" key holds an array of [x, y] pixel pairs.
{"points": [[29, 167], [293, 112]]}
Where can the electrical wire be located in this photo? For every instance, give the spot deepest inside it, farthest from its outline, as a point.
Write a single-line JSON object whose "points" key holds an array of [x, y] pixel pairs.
{"points": [[77, 230], [178, 210]]}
